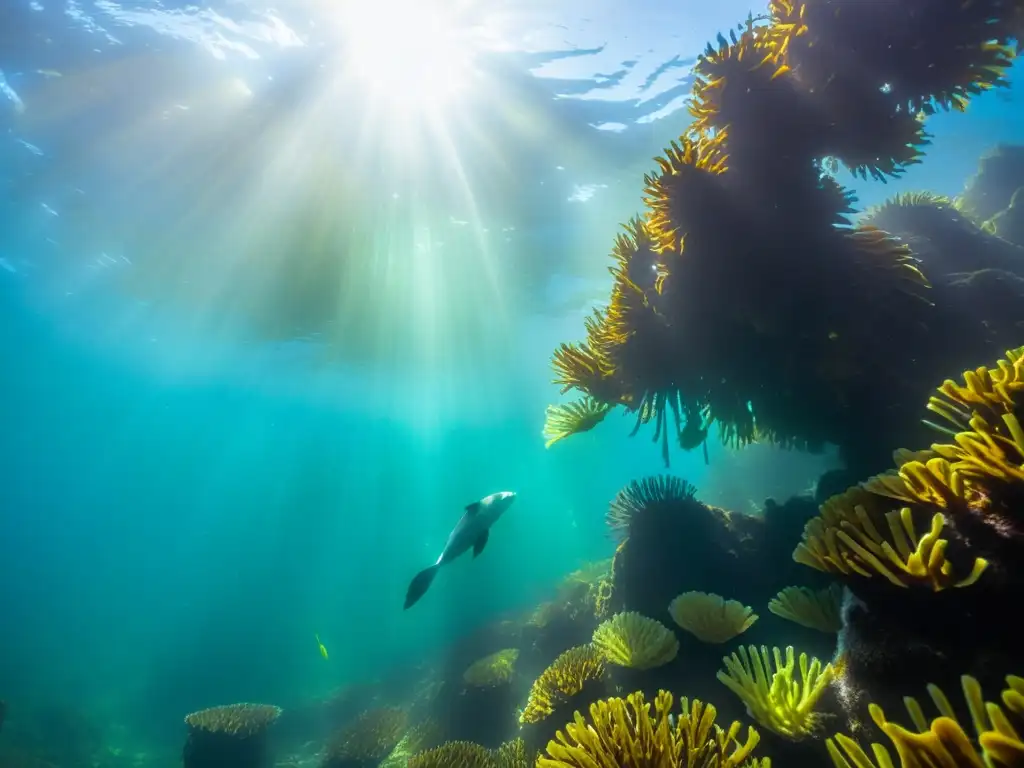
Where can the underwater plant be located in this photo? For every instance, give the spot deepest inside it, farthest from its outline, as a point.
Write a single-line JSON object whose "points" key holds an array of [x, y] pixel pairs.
{"points": [[856, 535], [774, 695], [812, 608], [632, 640], [998, 733], [495, 669], [711, 618], [231, 736], [622, 733], [562, 421], [1000, 173], [455, 754], [367, 740], [563, 679], [739, 297]]}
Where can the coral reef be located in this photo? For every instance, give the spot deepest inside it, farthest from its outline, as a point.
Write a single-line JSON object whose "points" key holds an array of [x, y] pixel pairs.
{"points": [[910, 596], [745, 300], [232, 736]]}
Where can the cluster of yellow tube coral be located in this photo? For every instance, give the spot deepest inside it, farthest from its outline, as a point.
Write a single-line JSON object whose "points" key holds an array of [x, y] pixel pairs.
{"points": [[982, 416], [998, 733], [856, 535], [622, 733], [860, 534], [767, 683]]}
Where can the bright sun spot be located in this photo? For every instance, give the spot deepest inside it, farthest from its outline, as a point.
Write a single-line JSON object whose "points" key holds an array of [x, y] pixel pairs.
{"points": [[411, 53]]}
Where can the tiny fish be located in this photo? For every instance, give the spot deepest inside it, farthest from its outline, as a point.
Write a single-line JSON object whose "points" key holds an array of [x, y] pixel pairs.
{"points": [[323, 648]]}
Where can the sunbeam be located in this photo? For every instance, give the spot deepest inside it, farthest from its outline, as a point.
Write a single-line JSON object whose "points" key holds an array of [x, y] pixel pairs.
{"points": [[417, 55]]}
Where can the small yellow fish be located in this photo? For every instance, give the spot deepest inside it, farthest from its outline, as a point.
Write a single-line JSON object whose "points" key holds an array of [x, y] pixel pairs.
{"points": [[323, 649]]}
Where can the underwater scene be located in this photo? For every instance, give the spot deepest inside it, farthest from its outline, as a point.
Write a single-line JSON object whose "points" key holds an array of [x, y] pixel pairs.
{"points": [[511, 384]]}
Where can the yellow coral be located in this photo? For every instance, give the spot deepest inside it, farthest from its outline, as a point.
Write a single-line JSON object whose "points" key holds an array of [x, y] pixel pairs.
{"points": [[987, 440], [563, 421], [931, 480], [632, 640], [711, 618], [492, 670], [847, 538], [414, 741], [943, 742], [815, 609], [775, 698], [687, 169], [563, 679], [514, 754], [991, 391], [370, 737], [623, 734], [240, 720], [455, 754]]}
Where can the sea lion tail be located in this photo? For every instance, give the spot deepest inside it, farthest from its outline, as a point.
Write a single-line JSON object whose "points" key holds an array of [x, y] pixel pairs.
{"points": [[420, 584]]}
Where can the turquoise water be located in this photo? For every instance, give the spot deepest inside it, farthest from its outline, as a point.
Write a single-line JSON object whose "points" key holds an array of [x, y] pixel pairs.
{"points": [[186, 503]]}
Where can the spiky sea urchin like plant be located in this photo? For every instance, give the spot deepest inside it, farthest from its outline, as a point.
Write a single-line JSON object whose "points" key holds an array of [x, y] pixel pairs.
{"points": [[649, 495]]}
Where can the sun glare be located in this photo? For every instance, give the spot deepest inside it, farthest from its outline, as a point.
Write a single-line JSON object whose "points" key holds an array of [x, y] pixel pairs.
{"points": [[411, 53]]}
